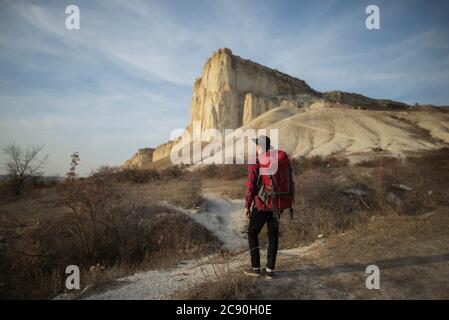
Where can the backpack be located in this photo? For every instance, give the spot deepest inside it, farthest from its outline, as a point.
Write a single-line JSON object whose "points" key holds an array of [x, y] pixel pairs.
{"points": [[275, 187]]}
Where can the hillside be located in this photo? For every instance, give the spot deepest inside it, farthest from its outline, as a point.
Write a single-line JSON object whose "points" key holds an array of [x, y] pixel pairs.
{"points": [[332, 129], [233, 92]]}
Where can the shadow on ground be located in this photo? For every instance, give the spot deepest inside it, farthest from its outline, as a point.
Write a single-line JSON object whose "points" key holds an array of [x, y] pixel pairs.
{"points": [[360, 267]]}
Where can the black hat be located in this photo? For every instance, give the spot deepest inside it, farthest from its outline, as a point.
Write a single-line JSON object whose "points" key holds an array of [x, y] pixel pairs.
{"points": [[263, 141]]}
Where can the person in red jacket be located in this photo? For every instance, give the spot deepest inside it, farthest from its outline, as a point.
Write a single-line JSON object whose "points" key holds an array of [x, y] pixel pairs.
{"points": [[260, 214]]}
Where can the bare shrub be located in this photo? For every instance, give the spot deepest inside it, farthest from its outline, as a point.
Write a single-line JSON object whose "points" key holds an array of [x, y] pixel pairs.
{"points": [[231, 287], [194, 194], [174, 172], [185, 193], [137, 175], [101, 227], [302, 164], [22, 165], [221, 282], [320, 208], [426, 176], [133, 237], [106, 171], [224, 171], [209, 171], [379, 162], [233, 171]]}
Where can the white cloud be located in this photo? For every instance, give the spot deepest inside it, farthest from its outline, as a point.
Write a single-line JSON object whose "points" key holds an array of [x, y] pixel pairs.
{"points": [[143, 57]]}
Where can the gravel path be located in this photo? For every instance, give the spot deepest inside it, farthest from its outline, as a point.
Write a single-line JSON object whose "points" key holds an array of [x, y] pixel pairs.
{"points": [[225, 218], [160, 284]]}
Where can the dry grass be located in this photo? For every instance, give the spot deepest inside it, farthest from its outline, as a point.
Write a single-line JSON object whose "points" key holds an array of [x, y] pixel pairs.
{"points": [[227, 284], [185, 193], [300, 165], [234, 286], [223, 172], [111, 234], [232, 189], [105, 227], [359, 230], [33, 264], [411, 252], [322, 207]]}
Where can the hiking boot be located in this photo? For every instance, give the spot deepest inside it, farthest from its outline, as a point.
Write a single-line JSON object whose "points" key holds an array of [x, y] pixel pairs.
{"points": [[269, 274], [254, 272]]}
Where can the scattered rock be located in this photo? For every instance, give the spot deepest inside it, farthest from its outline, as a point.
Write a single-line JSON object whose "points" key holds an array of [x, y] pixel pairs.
{"points": [[356, 192], [66, 296], [182, 274], [402, 187], [427, 214], [394, 199]]}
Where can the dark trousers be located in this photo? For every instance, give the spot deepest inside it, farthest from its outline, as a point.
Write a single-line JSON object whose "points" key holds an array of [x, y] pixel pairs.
{"points": [[256, 222]]}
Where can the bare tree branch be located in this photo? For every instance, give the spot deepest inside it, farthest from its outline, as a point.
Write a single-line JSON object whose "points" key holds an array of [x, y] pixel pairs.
{"points": [[23, 164]]}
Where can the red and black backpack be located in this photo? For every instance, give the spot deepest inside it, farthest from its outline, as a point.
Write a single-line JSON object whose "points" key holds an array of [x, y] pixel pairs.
{"points": [[275, 183]]}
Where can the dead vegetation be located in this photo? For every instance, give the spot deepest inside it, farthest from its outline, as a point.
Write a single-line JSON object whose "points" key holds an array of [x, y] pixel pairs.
{"points": [[411, 252], [23, 167], [332, 200], [112, 223], [106, 227]]}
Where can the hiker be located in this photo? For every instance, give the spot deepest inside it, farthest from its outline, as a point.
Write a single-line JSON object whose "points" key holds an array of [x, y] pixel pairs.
{"points": [[267, 195]]}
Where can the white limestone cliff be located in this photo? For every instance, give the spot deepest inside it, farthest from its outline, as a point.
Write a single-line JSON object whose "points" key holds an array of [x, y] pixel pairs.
{"points": [[232, 91]]}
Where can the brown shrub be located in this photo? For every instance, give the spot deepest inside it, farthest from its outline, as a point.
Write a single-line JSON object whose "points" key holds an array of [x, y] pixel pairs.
{"points": [[230, 287], [321, 207], [302, 164], [185, 193], [102, 229], [426, 175], [224, 171], [135, 175], [175, 172], [234, 171], [209, 171], [379, 162]]}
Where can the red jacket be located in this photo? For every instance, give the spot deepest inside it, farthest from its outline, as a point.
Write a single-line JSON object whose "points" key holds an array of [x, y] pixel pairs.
{"points": [[252, 189]]}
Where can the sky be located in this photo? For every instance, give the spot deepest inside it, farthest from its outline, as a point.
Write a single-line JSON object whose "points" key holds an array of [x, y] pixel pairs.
{"points": [[124, 80]]}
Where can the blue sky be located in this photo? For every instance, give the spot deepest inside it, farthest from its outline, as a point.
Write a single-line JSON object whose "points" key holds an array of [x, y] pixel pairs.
{"points": [[124, 80]]}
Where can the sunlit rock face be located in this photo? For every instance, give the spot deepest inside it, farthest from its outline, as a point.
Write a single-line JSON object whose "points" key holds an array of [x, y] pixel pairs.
{"points": [[140, 158], [232, 91]]}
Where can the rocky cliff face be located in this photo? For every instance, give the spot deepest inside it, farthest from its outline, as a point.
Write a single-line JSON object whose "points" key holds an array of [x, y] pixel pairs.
{"points": [[232, 91], [361, 101], [163, 150], [140, 158]]}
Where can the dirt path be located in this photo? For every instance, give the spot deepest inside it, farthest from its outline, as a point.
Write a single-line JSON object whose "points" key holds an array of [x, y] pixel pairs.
{"points": [[411, 252], [224, 217]]}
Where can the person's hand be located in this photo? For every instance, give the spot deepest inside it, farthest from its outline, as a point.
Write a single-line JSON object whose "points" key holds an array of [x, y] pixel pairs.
{"points": [[247, 213]]}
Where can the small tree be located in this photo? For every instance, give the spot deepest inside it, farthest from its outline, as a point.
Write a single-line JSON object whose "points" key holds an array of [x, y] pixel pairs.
{"points": [[22, 165], [74, 162]]}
